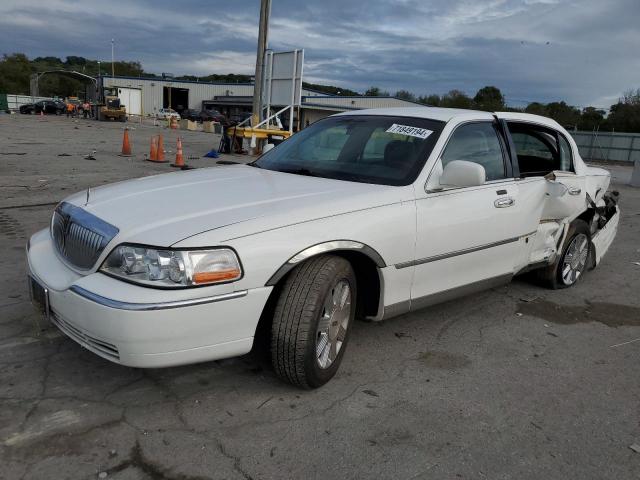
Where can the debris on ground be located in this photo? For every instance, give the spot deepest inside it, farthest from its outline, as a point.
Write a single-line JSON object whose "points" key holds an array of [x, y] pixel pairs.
{"points": [[635, 447], [624, 343], [64, 154], [402, 335], [528, 299], [371, 393]]}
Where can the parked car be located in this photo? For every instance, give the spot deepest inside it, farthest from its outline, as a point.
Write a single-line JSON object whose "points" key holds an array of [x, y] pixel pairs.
{"points": [[368, 214], [203, 116], [240, 117], [165, 113], [46, 106]]}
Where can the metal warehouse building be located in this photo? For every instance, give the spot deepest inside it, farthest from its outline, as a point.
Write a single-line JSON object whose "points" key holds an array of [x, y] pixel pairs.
{"points": [[145, 96]]}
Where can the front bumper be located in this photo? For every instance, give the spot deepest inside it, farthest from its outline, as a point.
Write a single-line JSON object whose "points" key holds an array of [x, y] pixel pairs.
{"points": [[142, 327]]}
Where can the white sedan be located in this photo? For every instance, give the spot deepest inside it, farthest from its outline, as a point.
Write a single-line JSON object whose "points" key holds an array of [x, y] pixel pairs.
{"points": [[368, 214], [165, 113]]}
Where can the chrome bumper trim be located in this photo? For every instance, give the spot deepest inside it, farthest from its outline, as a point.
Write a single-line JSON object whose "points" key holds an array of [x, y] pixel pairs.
{"points": [[117, 304]]}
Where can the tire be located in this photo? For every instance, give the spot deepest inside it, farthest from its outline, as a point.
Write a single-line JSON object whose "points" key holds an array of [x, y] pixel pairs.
{"points": [[308, 342], [569, 267]]}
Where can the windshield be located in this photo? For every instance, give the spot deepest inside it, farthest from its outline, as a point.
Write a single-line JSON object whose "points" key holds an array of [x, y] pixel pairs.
{"points": [[384, 150]]}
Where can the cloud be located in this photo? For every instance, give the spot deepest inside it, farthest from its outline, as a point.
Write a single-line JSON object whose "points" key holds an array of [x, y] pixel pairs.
{"points": [[581, 51]]}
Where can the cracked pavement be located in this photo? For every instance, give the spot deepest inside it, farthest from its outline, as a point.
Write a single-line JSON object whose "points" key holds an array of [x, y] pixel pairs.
{"points": [[515, 382]]}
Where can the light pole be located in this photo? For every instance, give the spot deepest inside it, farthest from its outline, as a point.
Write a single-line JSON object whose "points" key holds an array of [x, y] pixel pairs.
{"points": [[112, 67], [98, 68], [263, 36]]}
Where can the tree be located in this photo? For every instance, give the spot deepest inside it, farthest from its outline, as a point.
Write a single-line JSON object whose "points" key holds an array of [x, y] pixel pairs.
{"points": [[536, 108], [591, 119], [405, 95], [432, 100], [625, 115], [564, 114], [456, 99], [490, 99], [375, 92], [15, 70]]}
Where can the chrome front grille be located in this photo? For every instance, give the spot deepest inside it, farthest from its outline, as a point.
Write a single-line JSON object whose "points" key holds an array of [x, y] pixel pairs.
{"points": [[79, 236]]}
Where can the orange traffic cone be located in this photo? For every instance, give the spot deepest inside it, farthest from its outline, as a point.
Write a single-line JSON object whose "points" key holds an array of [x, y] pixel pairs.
{"points": [[179, 157], [153, 150], [126, 146], [160, 150]]}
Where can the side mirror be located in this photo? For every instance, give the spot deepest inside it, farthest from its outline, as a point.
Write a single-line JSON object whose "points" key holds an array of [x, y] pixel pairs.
{"points": [[460, 173]]}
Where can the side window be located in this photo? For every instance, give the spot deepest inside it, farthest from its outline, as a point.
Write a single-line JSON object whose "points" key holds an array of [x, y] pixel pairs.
{"points": [[538, 150], [478, 143], [566, 158]]}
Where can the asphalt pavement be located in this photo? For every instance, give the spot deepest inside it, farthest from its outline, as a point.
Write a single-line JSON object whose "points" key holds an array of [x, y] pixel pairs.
{"points": [[518, 382]]}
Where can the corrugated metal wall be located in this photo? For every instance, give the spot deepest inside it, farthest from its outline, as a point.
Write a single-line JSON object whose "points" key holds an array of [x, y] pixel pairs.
{"points": [[621, 147], [152, 90], [15, 101]]}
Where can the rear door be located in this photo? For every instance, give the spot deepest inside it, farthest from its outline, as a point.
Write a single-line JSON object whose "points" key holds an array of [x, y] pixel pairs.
{"points": [[469, 238]]}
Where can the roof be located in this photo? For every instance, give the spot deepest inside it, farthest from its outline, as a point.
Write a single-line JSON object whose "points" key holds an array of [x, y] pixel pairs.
{"points": [[447, 114], [432, 113], [169, 80]]}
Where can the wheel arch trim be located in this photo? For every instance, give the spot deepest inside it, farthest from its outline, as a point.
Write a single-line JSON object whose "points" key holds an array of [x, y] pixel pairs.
{"points": [[325, 247]]}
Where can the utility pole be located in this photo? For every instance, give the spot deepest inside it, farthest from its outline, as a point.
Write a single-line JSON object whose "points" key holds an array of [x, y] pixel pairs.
{"points": [[263, 36], [112, 68]]}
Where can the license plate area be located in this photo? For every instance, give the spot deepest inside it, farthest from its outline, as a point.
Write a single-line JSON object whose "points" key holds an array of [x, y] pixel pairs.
{"points": [[39, 295]]}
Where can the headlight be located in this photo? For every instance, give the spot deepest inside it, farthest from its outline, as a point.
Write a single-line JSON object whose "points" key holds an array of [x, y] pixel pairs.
{"points": [[172, 268]]}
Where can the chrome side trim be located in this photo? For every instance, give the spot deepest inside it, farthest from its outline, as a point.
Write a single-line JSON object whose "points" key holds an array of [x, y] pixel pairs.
{"points": [[324, 248], [111, 303], [442, 256]]}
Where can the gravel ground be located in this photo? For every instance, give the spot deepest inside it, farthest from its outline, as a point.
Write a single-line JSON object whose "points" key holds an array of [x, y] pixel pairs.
{"points": [[513, 383]]}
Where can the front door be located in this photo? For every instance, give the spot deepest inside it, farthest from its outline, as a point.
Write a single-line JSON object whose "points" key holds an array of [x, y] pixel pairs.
{"points": [[467, 238]]}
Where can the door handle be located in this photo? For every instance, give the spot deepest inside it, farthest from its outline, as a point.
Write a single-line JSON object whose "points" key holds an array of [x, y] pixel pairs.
{"points": [[504, 202], [575, 191]]}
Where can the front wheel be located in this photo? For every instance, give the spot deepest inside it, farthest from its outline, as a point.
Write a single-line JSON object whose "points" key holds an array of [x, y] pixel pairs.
{"points": [[311, 321], [573, 260]]}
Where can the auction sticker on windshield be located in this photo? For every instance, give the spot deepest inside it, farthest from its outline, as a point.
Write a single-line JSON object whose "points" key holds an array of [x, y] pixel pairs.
{"points": [[409, 130]]}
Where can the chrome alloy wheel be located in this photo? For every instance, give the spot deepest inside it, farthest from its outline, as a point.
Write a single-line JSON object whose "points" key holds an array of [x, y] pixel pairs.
{"points": [[575, 259], [333, 324]]}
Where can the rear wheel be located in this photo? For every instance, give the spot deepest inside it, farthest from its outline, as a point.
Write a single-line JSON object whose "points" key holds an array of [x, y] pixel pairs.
{"points": [[311, 321], [572, 263]]}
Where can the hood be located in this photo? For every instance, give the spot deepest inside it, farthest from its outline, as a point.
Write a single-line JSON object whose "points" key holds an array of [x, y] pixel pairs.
{"points": [[164, 209]]}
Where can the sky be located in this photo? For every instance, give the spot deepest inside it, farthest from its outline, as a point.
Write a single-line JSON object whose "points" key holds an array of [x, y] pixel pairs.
{"points": [[582, 51]]}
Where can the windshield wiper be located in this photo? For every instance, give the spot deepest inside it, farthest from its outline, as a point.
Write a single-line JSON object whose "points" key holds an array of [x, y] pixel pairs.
{"points": [[301, 171]]}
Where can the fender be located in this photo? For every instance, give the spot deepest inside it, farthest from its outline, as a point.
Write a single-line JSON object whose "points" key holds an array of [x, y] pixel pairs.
{"points": [[325, 247]]}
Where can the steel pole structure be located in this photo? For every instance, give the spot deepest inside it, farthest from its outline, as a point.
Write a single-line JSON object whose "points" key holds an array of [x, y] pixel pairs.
{"points": [[263, 36], [112, 67]]}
